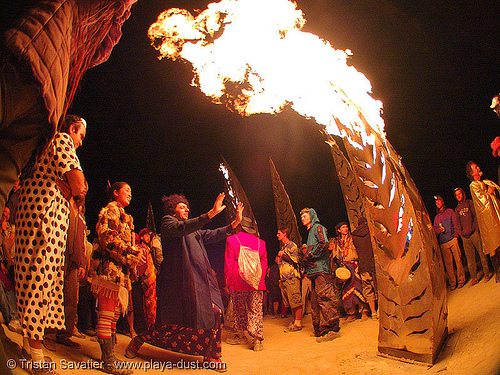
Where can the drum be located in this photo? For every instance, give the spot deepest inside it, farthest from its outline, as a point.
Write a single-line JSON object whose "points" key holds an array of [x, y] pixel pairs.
{"points": [[343, 273]]}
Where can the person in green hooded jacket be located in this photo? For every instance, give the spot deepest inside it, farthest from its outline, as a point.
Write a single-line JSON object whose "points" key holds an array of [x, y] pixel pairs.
{"points": [[324, 302]]}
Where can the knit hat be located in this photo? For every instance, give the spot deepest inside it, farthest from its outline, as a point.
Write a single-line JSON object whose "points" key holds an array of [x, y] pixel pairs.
{"points": [[145, 231]]}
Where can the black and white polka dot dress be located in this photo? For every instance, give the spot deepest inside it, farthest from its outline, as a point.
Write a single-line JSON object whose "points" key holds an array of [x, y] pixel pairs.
{"points": [[42, 223]]}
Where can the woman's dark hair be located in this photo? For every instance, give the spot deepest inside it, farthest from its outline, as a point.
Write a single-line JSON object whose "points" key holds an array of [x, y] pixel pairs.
{"points": [[112, 188], [170, 202], [70, 120]]}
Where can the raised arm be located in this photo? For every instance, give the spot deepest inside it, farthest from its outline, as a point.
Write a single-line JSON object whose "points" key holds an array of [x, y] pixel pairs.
{"points": [[172, 227], [215, 235], [218, 206]]}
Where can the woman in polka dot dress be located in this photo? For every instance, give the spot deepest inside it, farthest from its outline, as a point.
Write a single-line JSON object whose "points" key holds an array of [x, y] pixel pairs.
{"points": [[42, 223]]}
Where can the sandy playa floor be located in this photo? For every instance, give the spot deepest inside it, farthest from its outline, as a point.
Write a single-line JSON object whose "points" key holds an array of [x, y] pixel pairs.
{"points": [[472, 347]]}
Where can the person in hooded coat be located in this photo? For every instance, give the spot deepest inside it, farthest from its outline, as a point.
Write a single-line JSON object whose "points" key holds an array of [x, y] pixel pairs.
{"points": [[468, 229], [324, 303], [189, 307]]}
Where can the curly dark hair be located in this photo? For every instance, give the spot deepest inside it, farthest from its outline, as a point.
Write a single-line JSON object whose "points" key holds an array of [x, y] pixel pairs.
{"points": [[170, 202]]}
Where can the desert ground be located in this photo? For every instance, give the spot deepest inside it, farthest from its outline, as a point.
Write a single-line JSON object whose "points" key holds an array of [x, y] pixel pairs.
{"points": [[472, 347]]}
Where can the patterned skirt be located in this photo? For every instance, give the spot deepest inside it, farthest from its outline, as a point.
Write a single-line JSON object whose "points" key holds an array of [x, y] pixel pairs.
{"points": [[188, 340], [352, 290]]}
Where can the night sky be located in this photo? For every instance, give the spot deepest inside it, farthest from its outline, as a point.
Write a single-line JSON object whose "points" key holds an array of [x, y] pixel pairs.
{"points": [[435, 66]]}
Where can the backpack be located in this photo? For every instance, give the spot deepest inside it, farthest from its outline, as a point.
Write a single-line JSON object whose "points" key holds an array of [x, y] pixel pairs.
{"points": [[249, 265]]}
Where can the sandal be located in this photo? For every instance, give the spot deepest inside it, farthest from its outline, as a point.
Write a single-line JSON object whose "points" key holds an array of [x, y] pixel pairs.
{"points": [[292, 328]]}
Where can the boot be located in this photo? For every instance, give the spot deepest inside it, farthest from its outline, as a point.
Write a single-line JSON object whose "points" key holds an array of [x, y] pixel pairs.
{"points": [[133, 347], [108, 358]]}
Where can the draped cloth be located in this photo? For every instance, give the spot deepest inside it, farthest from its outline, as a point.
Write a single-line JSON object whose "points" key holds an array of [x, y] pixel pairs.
{"points": [[352, 294], [488, 213]]}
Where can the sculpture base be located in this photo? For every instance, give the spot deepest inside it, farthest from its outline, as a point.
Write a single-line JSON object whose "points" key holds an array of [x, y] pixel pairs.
{"points": [[410, 357]]}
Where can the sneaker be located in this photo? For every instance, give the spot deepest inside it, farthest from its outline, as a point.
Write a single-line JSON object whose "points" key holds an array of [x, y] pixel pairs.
{"points": [[375, 315], [45, 369], [257, 346], [488, 277], [15, 326], [328, 337], [27, 356], [474, 282], [237, 340], [292, 328], [67, 342]]}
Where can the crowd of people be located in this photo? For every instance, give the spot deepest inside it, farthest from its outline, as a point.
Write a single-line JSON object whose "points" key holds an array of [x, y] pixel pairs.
{"points": [[54, 282], [331, 277], [473, 226], [47, 262]]}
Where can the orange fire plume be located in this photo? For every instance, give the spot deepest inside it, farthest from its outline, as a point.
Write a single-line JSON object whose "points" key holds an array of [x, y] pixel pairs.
{"points": [[257, 61]]}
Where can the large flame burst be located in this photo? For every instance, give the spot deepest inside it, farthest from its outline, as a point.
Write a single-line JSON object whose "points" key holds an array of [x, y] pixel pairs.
{"points": [[252, 56]]}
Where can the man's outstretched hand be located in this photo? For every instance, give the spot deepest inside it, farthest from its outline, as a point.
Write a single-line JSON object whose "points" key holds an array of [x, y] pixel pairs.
{"points": [[218, 206]]}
